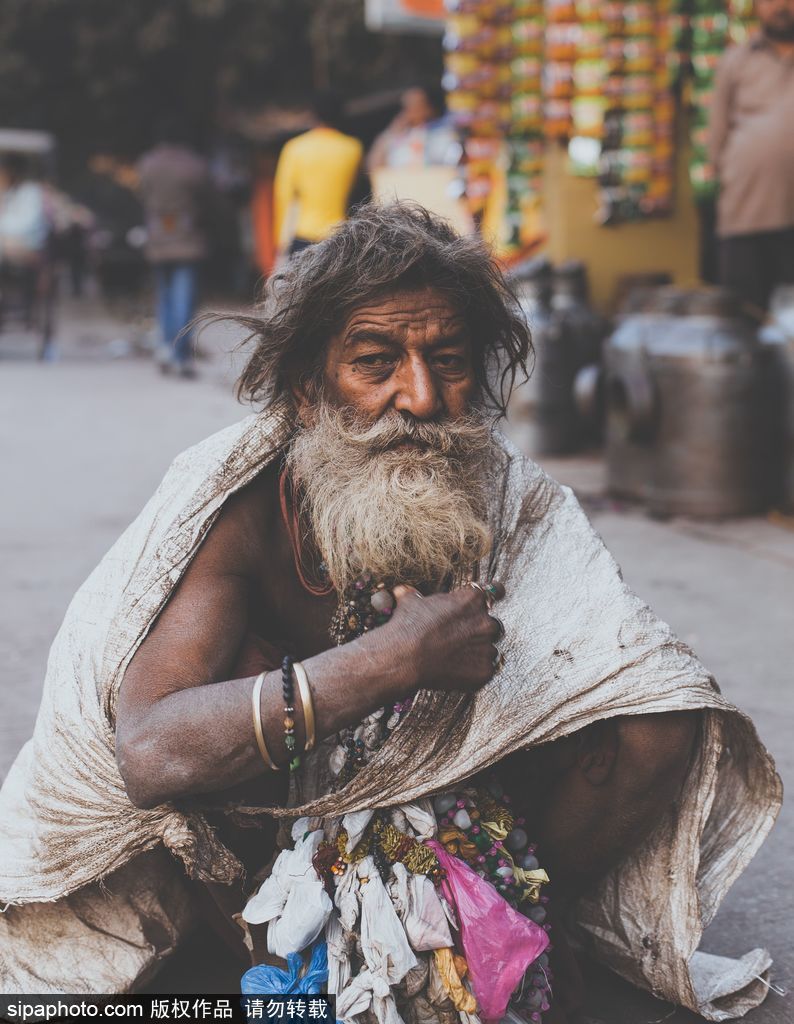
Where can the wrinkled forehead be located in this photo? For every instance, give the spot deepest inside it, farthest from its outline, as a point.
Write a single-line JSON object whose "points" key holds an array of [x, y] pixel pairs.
{"points": [[420, 311]]}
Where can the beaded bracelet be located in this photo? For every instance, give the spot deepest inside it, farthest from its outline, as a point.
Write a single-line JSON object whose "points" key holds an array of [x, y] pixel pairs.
{"points": [[288, 692]]}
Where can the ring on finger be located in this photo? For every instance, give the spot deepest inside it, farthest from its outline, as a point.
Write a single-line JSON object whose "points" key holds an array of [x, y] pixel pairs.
{"points": [[501, 626], [486, 593], [498, 662]]}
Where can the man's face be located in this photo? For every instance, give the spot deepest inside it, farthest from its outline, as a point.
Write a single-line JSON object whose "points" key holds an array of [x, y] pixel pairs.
{"points": [[777, 18], [410, 353], [416, 108]]}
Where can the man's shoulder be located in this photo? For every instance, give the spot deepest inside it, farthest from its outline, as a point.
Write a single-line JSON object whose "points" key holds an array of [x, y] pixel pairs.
{"points": [[324, 138], [302, 141], [738, 55], [245, 523], [524, 490], [315, 136], [353, 144], [292, 147], [149, 159], [170, 158], [230, 481], [204, 476]]}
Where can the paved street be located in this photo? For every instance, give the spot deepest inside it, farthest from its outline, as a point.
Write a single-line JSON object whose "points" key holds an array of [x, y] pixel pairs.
{"points": [[84, 441]]}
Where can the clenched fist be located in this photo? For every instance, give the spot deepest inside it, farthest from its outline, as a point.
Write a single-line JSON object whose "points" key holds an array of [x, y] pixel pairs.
{"points": [[445, 641]]}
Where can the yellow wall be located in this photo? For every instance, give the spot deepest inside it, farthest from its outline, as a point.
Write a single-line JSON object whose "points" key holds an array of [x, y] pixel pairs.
{"points": [[667, 245]]}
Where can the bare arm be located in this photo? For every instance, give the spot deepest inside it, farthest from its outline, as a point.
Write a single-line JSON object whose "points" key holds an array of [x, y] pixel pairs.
{"points": [[379, 150], [720, 114], [180, 731]]}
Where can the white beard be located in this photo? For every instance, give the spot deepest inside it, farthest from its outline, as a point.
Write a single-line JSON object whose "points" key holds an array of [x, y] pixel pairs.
{"points": [[406, 514]]}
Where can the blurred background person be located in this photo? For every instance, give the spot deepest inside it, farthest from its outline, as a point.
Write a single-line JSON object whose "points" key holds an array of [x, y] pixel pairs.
{"points": [[316, 173], [231, 246], [419, 136], [752, 149], [25, 234], [263, 224], [107, 188], [176, 191], [418, 156], [73, 224], [24, 222]]}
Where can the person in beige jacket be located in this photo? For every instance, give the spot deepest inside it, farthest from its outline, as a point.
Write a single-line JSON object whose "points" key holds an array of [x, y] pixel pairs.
{"points": [[752, 149]]}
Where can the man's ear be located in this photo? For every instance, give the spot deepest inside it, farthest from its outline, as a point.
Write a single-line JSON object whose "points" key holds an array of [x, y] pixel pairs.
{"points": [[304, 390]]}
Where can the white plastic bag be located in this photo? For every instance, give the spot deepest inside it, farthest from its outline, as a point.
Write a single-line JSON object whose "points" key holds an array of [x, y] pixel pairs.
{"points": [[293, 900], [420, 910]]}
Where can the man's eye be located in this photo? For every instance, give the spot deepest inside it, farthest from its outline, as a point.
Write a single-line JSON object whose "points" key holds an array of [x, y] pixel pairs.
{"points": [[377, 361], [450, 362]]}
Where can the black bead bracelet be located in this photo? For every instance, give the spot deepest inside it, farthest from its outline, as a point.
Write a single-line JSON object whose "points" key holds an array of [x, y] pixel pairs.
{"points": [[288, 692]]}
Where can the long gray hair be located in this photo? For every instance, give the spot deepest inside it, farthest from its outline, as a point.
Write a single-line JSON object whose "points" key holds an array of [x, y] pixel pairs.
{"points": [[381, 250]]}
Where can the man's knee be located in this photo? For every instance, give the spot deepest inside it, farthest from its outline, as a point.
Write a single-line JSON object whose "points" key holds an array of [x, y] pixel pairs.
{"points": [[655, 751]]}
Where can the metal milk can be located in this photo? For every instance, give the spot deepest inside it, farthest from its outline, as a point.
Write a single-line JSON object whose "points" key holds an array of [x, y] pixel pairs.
{"points": [[524, 425], [778, 337], [544, 418], [629, 395], [691, 394]]}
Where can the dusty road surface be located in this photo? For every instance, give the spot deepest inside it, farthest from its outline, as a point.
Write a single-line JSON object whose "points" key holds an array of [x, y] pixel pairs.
{"points": [[84, 442]]}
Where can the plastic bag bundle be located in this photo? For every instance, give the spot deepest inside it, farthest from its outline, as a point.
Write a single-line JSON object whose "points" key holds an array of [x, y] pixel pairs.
{"points": [[293, 900], [420, 910], [264, 980], [498, 942]]}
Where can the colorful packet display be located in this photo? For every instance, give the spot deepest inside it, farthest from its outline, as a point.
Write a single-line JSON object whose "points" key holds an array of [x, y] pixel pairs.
{"points": [[525, 137], [494, 79], [709, 36], [561, 49], [478, 46], [607, 77]]}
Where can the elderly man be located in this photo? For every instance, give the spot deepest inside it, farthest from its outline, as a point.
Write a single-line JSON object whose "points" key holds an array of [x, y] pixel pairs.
{"points": [[752, 149], [312, 595]]}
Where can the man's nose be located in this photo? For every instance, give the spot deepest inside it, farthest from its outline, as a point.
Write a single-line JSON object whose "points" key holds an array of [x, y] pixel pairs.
{"points": [[417, 392]]}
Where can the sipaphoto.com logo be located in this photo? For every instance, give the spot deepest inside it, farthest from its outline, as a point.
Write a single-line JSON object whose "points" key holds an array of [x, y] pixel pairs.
{"points": [[54, 1008]]}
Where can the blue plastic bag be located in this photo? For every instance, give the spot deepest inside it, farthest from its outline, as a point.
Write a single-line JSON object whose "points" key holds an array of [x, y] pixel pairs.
{"points": [[272, 981]]}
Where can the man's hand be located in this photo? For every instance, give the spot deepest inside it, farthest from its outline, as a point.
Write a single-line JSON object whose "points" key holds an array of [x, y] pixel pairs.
{"points": [[446, 641]]}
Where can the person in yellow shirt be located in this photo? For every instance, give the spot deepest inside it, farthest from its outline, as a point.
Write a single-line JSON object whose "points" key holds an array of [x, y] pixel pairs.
{"points": [[316, 171]]}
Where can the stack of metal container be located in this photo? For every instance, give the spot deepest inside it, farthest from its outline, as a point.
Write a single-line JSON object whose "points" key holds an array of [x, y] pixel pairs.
{"points": [[688, 424], [545, 416]]}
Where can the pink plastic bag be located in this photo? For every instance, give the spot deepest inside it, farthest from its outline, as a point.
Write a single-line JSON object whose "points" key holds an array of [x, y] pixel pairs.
{"points": [[498, 942]]}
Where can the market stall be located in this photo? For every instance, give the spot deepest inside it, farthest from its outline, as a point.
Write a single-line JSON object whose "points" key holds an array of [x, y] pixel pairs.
{"points": [[584, 125]]}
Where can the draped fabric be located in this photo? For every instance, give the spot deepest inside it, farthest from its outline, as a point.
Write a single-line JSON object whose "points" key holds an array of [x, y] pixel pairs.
{"points": [[579, 647]]}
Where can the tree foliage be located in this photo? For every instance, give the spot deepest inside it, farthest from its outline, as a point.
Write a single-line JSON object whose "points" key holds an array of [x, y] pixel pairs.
{"points": [[98, 73]]}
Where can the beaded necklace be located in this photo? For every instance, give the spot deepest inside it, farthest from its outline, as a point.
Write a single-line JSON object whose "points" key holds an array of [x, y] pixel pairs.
{"points": [[365, 604], [291, 520], [386, 844]]}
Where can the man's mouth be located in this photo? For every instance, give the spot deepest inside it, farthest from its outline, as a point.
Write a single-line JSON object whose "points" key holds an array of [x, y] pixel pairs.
{"points": [[409, 442]]}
